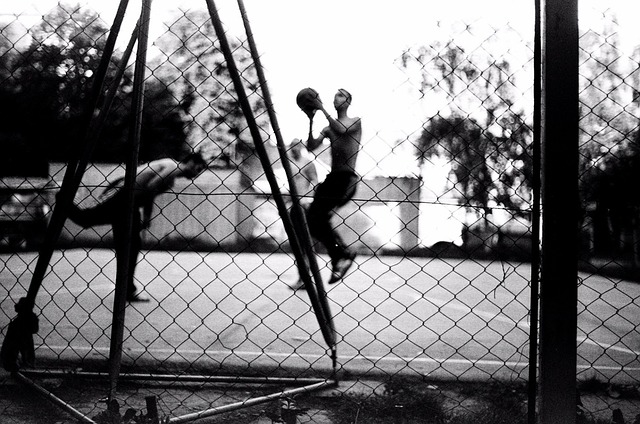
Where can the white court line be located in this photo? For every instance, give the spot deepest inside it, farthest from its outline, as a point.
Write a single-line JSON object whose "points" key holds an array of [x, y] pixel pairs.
{"points": [[490, 316], [79, 289], [500, 317], [315, 357], [607, 346], [440, 303]]}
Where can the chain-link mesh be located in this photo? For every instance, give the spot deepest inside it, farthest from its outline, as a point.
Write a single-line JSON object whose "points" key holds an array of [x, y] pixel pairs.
{"points": [[440, 288]]}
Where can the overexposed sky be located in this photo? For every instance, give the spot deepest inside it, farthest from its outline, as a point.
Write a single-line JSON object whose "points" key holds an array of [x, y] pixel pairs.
{"points": [[352, 44]]}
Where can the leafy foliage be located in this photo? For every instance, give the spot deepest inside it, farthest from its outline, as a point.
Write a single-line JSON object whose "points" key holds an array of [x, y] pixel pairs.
{"points": [[47, 96], [192, 63], [609, 125], [481, 127]]}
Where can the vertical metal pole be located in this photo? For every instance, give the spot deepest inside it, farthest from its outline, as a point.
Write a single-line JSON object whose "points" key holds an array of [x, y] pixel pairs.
{"points": [[152, 409], [119, 302], [558, 295], [535, 219]]}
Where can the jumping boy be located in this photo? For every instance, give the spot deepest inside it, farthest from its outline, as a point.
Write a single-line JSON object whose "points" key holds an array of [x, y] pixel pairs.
{"points": [[344, 134]]}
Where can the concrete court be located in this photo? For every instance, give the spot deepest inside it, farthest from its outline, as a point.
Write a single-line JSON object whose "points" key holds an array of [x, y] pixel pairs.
{"points": [[449, 318]]}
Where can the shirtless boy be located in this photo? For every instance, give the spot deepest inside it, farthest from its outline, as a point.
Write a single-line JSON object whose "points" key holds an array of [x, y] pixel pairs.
{"points": [[344, 134], [152, 179]]}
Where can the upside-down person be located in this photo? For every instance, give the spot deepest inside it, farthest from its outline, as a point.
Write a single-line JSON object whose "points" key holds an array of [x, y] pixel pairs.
{"points": [[152, 179], [344, 134]]}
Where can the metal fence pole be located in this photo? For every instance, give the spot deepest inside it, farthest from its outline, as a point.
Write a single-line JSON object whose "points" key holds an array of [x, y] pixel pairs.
{"points": [[558, 295], [119, 301], [532, 391]]}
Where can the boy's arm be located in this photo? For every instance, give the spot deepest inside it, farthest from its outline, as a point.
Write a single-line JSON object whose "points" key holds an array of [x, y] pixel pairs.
{"points": [[314, 142], [340, 128], [311, 174]]}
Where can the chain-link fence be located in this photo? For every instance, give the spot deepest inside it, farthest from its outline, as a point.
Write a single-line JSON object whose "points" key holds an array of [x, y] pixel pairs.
{"points": [[440, 222]]}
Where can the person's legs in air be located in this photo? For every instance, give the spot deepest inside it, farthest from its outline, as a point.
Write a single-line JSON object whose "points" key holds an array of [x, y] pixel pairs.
{"points": [[97, 215], [335, 191]]}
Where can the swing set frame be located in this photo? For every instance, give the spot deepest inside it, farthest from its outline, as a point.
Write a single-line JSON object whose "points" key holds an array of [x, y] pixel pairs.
{"points": [[295, 224]]}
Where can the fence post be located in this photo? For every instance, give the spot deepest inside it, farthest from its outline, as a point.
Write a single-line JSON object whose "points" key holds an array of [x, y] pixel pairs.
{"points": [[410, 213], [135, 133], [558, 292]]}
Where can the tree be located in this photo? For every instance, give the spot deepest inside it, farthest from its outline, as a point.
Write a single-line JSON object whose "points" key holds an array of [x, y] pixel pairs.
{"points": [[53, 77], [9, 37], [608, 107], [193, 65], [487, 170], [609, 139], [18, 158], [604, 94], [481, 126], [52, 82]]}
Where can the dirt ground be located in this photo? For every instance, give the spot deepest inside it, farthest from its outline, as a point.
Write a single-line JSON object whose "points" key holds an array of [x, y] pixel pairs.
{"points": [[369, 402]]}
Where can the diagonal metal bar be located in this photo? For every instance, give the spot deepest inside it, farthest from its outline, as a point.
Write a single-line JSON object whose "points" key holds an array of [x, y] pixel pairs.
{"points": [[299, 215], [264, 159], [70, 179], [97, 124], [80, 417], [253, 401]]}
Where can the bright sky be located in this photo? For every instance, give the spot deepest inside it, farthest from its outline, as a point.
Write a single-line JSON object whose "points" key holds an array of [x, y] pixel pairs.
{"points": [[350, 44]]}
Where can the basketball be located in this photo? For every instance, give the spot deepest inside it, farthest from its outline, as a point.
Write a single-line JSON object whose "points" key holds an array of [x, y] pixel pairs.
{"points": [[308, 100]]}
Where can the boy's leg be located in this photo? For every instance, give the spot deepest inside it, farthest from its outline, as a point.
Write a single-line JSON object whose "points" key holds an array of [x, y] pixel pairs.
{"points": [[89, 217], [342, 258], [320, 224], [121, 242], [300, 267], [333, 193], [319, 220], [134, 253]]}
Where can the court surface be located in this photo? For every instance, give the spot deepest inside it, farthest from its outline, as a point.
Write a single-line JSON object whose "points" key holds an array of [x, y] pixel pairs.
{"points": [[445, 318]]}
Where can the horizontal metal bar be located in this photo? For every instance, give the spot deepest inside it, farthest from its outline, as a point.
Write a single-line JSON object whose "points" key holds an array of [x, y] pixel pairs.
{"points": [[175, 378]]}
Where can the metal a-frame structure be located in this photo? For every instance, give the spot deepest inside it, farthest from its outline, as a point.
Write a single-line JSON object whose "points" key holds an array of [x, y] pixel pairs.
{"points": [[294, 223]]}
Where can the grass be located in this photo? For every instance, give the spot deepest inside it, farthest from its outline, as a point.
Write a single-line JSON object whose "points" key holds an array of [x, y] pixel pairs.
{"points": [[406, 401], [411, 402], [398, 401]]}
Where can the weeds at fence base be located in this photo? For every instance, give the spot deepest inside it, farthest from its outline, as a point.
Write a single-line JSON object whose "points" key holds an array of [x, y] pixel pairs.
{"points": [[603, 403], [400, 400]]}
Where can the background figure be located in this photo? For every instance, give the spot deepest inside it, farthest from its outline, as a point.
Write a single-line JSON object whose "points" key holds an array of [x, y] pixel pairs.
{"points": [[344, 134], [305, 179], [152, 179], [305, 175]]}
